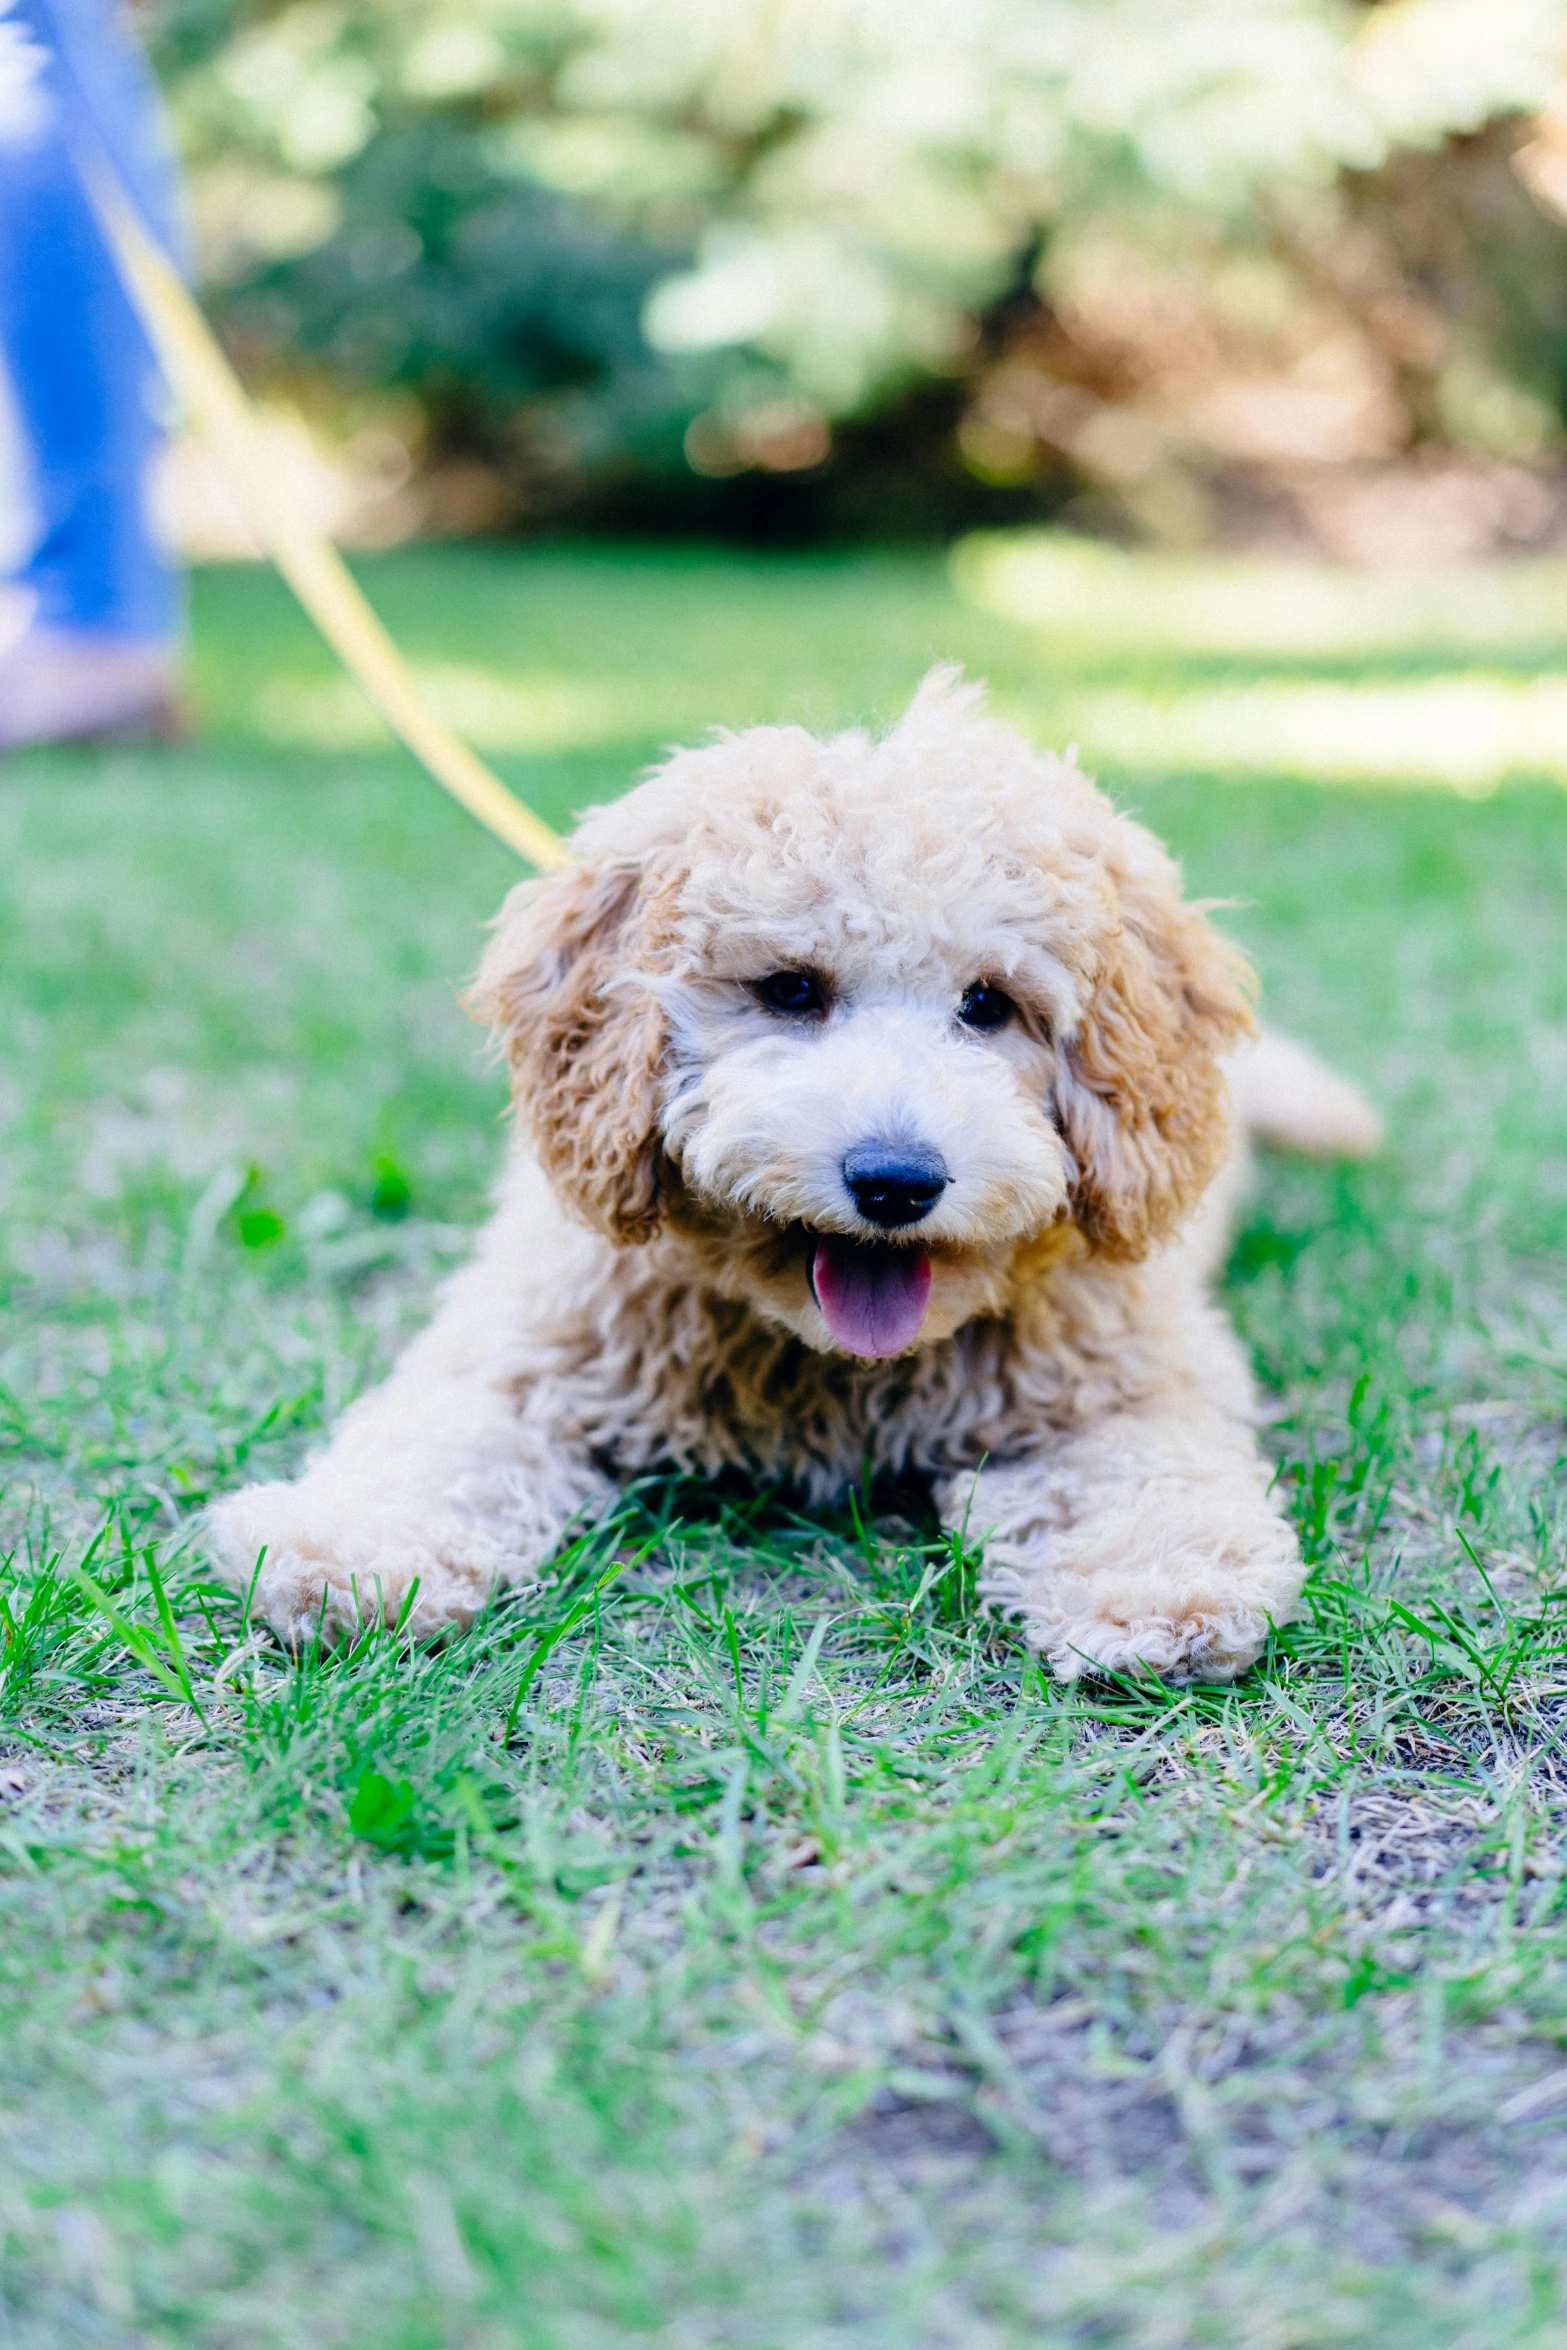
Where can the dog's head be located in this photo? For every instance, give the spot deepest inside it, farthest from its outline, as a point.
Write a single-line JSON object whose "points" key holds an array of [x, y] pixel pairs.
{"points": [[869, 1019]]}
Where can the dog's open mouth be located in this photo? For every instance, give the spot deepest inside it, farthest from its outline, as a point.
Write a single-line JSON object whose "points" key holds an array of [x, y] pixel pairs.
{"points": [[872, 1295]]}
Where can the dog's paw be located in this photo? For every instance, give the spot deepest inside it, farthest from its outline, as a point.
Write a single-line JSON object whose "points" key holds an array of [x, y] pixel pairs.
{"points": [[1148, 1617], [1202, 1629], [1194, 1644], [333, 1562], [1185, 1581]]}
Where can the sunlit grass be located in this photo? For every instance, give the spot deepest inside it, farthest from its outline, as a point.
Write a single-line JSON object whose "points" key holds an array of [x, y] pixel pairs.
{"points": [[1456, 722], [1469, 733], [736, 1943], [1105, 600], [526, 712], [1455, 680]]}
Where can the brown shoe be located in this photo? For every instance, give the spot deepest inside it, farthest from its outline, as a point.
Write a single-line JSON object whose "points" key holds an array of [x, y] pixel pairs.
{"points": [[68, 685]]}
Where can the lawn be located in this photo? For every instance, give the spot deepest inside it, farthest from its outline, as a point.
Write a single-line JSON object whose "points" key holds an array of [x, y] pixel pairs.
{"points": [[738, 1946]]}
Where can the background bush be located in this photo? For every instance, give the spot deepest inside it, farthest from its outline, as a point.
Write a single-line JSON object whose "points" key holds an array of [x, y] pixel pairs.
{"points": [[911, 261]]}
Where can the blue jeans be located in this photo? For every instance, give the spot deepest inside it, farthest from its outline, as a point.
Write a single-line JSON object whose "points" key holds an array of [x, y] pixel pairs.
{"points": [[81, 370]]}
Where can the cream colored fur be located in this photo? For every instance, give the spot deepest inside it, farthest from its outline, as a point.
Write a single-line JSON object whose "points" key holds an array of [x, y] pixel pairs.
{"points": [[641, 1300]]}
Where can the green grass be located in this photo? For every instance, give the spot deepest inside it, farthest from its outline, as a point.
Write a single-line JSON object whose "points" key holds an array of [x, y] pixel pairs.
{"points": [[738, 1947]]}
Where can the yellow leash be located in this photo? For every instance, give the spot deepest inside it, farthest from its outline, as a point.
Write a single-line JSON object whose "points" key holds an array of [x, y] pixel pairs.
{"points": [[194, 362]]}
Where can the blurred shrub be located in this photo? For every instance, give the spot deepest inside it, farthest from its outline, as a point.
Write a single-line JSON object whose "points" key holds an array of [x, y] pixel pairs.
{"points": [[900, 255]]}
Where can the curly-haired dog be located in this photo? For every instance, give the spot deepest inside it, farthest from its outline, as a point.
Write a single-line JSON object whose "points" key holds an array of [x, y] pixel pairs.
{"points": [[873, 1096]]}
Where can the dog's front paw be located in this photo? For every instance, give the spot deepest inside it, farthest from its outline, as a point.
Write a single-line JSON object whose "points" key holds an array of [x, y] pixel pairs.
{"points": [[1185, 1580], [1193, 1643], [333, 1561]]}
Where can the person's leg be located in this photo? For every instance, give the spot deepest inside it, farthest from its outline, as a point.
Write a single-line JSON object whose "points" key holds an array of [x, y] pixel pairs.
{"points": [[84, 383], [106, 602]]}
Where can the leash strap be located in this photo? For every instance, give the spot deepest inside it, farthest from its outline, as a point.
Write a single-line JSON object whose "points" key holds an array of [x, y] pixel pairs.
{"points": [[215, 399]]}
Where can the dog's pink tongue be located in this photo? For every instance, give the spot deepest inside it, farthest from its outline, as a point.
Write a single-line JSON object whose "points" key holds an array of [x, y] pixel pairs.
{"points": [[873, 1296]]}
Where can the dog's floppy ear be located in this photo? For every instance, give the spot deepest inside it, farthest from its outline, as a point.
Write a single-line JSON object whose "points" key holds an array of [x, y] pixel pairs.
{"points": [[585, 1043], [1143, 1095]]}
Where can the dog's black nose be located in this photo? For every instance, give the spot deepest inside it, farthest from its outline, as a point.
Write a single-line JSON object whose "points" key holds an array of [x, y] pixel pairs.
{"points": [[893, 1185]]}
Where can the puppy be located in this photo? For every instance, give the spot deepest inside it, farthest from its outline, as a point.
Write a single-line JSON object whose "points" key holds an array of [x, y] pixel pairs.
{"points": [[874, 1106]]}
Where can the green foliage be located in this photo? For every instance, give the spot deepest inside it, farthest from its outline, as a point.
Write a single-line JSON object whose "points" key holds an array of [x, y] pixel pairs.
{"points": [[365, 227], [250, 1220], [393, 1194], [576, 231], [735, 1940]]}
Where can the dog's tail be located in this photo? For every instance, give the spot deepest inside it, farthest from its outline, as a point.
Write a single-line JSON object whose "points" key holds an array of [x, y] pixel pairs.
{"points": [[1291, 1101]]}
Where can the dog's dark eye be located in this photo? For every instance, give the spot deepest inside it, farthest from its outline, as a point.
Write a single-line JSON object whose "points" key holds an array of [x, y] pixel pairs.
{"points": [[986, 1007], [791, 991]]}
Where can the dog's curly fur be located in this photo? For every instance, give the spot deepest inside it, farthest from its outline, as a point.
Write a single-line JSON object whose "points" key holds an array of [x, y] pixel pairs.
{"points": [[644, 1297]]}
